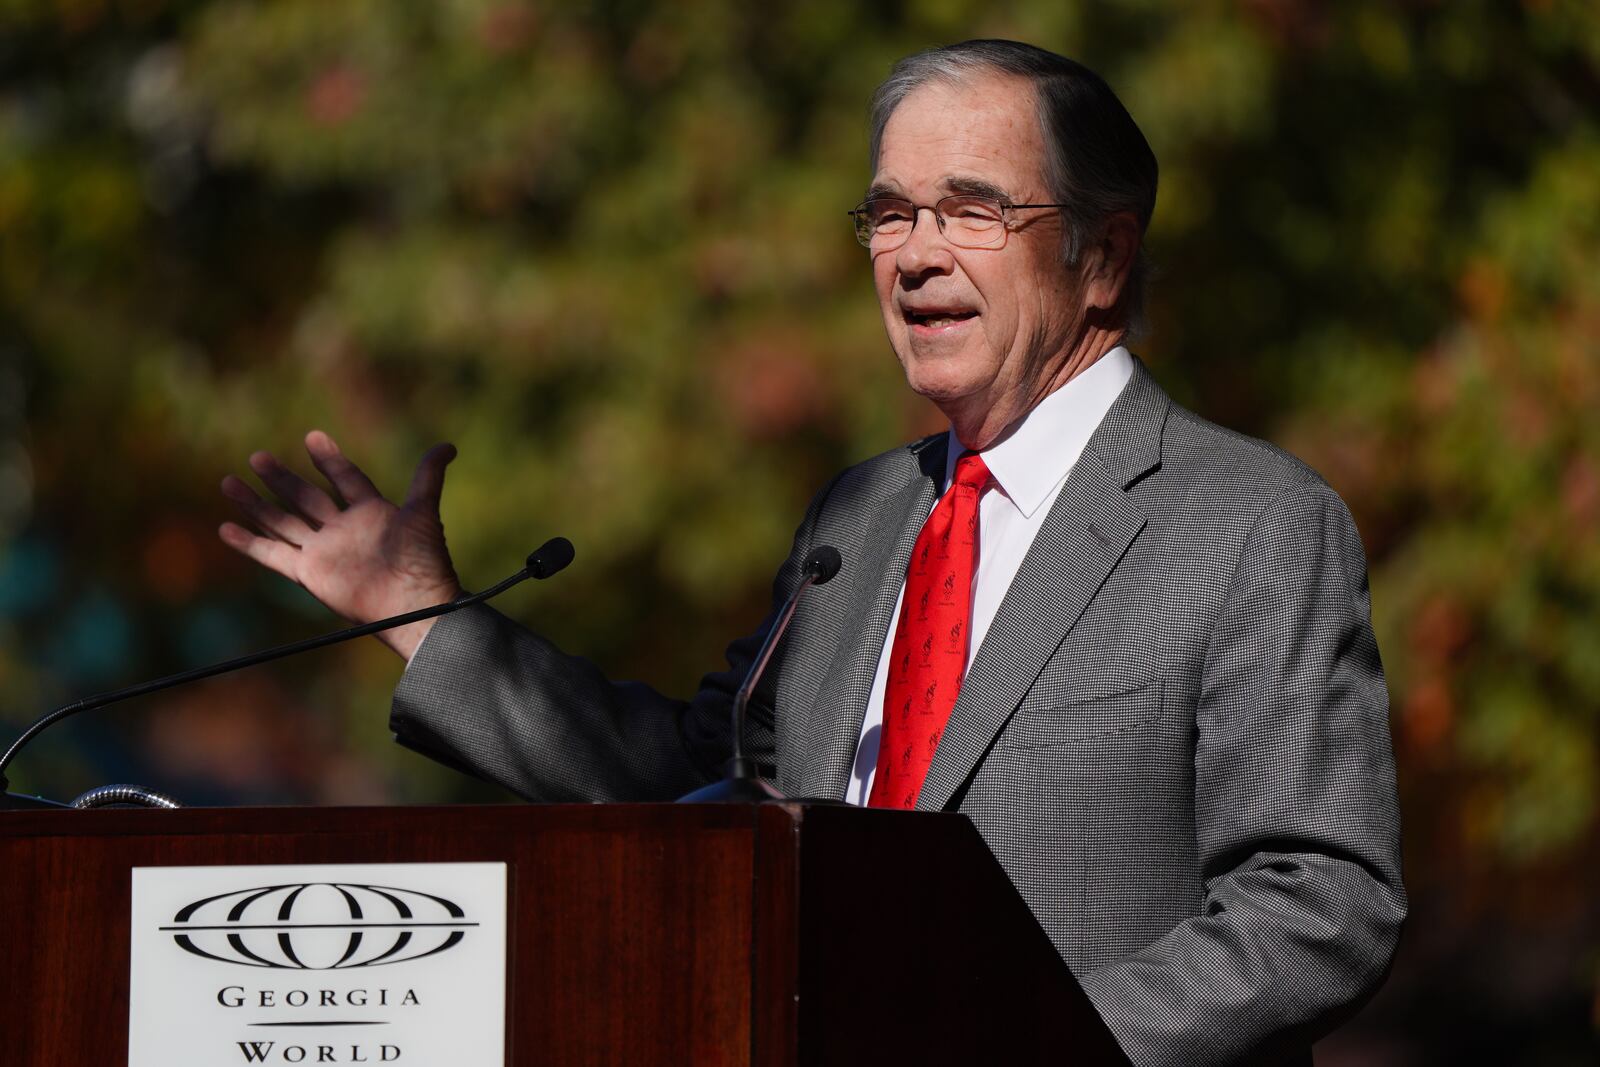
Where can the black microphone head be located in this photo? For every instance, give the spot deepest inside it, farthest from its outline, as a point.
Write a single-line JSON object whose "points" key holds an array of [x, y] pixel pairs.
{"points": [[550, 557], [823, 563]]}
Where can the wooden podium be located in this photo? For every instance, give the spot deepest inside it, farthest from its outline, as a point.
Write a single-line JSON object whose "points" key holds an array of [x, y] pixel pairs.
{"points": [[786, 935]]}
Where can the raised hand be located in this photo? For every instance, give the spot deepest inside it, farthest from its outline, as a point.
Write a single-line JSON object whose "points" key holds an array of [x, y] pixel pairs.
{"points": [[365, 561]]}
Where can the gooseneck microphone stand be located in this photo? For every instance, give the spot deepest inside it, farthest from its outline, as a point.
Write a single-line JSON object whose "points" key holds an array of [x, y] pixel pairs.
{"points": [[741, 784], [546, 560]]}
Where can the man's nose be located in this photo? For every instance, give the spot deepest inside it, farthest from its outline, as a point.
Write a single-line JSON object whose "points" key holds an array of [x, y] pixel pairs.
{"points": [[925, 251]]}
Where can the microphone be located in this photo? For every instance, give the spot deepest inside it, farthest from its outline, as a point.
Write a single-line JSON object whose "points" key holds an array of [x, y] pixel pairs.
{"points": [[740, 783], [544, 561]]}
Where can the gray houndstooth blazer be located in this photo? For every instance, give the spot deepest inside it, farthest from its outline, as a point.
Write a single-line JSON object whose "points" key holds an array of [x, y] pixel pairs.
{"points": [[1174, 737]]}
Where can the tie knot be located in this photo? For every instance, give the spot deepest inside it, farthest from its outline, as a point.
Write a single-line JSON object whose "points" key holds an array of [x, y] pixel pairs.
{"points": [[971, 471]]}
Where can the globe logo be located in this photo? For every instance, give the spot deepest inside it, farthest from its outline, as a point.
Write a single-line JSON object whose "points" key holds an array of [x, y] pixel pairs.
{"points": [[319, 926]]}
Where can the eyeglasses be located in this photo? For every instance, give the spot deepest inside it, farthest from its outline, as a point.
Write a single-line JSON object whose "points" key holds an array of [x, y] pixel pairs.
{"points": [[966, 221]]}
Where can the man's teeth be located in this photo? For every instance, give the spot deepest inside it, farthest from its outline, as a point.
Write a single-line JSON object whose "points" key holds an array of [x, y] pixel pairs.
{"points": [[941, 320]]}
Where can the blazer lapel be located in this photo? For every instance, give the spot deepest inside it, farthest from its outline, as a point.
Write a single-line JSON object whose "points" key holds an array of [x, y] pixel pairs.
{"points": [[1084, 537], [833, 727]]}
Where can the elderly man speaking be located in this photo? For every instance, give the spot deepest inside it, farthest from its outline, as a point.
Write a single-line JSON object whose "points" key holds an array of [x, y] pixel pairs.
{"points": [[1134, 648]]}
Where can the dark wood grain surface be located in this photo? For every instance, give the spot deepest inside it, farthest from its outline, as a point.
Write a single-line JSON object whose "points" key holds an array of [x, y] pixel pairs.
{"points": [[784, 936]]}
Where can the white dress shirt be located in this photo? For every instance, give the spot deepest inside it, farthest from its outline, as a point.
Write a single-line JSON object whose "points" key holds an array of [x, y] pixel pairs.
{"points": [[1029, 468]]}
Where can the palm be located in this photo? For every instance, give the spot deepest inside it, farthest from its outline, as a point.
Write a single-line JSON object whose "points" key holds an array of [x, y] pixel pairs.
{"points": [[366, 561]]}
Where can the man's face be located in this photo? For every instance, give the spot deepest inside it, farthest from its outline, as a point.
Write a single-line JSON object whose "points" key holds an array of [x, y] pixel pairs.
{"points": [[979, 331]]}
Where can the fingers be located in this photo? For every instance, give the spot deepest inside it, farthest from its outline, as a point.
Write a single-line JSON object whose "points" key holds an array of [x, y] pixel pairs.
{"points": [[293, 489], [427, 485], [349, 479], [274, 555], [287, 528]]}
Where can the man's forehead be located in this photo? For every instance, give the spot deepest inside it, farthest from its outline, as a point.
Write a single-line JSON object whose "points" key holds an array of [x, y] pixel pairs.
{"points": [[978, 136]]}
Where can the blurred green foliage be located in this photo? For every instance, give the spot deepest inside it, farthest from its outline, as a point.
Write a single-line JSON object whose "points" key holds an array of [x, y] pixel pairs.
{"points": [[602, 248]]}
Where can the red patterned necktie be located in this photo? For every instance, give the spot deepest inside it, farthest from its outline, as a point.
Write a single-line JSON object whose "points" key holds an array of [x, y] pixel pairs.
{"points": [[929, 655]]}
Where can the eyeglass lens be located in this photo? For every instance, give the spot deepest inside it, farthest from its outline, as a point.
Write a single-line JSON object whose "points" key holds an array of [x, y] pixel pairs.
{"points": [[969, 221]]}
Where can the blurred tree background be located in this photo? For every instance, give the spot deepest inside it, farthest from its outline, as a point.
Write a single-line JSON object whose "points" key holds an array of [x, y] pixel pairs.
{"points": [[602, 248]]}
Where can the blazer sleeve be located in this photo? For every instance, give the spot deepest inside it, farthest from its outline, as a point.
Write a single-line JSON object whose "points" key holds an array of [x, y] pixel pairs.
{"points": [[1296, 816], [492, 698]]}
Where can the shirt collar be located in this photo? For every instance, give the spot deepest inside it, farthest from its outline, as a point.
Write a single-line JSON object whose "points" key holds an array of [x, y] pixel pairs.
{"points": [[1040, 452]]}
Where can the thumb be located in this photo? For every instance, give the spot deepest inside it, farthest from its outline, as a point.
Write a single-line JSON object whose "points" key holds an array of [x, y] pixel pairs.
{"points": [[427, 485]]}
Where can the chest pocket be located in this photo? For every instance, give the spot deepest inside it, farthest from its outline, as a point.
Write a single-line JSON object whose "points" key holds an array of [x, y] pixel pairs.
{"points": [[1047, 725]]}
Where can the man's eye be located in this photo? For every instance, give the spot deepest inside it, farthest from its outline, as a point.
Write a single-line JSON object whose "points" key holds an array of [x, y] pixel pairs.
{"points": [[974, 213], [890, 217]]}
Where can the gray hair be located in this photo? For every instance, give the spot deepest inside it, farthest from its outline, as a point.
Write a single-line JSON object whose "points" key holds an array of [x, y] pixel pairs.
{"points": [[1096, 159]]}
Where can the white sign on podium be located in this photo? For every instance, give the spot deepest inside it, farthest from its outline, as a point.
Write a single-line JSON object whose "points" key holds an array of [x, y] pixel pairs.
{"points": [[329, 963]]}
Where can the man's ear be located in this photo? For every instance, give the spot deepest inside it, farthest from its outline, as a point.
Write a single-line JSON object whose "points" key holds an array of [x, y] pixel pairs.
{"points": [[1109, 262]]}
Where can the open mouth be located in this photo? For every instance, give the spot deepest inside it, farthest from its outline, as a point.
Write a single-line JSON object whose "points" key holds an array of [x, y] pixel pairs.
{"points": [[937, 319]]}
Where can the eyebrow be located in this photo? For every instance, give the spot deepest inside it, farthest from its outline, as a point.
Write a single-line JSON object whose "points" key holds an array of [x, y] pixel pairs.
{"points": [[975, 187], [952, 185]]}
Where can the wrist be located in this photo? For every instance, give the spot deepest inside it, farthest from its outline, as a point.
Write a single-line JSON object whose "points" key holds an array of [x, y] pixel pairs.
{"points": [[405, 640]]}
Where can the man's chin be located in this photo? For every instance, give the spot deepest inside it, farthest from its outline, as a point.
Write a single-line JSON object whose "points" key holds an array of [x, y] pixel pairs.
{"points": [[948, 391]]}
